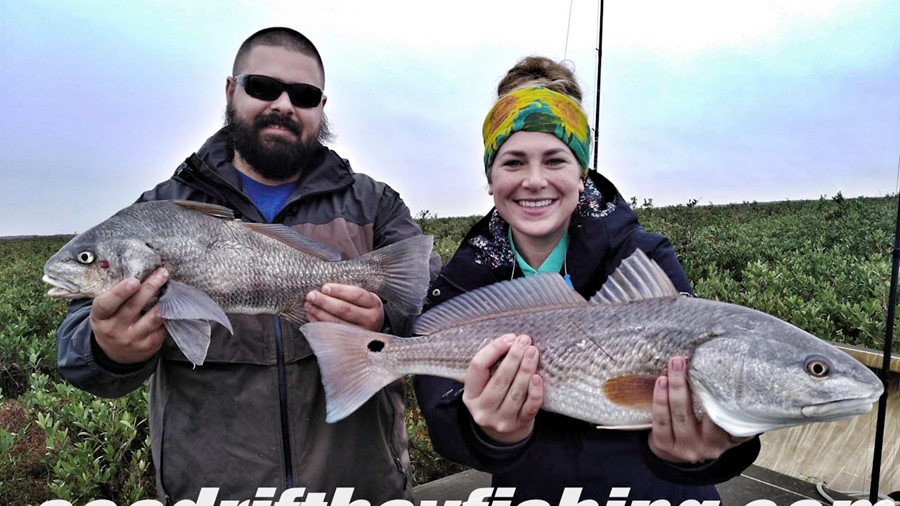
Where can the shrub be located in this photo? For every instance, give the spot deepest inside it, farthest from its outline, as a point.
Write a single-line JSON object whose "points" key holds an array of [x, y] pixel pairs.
{"points": [[822, 265]]}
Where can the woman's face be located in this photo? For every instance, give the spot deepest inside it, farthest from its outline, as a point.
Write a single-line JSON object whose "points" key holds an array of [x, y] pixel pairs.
{"points": [[535, 181]]}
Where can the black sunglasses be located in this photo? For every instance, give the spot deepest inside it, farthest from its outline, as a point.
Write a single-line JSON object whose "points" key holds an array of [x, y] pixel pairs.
{"points": [[268, 89]]}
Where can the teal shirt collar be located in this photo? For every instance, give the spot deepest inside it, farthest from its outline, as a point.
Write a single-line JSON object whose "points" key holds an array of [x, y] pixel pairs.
{"points": [[553, 263]]}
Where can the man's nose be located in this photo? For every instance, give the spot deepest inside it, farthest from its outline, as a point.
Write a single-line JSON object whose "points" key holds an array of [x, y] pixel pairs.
{"points": [[282, 103]]}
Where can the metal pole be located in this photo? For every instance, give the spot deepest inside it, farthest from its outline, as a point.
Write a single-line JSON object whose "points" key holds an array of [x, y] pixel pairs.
{"points": [[886, 364], [597, 105]]}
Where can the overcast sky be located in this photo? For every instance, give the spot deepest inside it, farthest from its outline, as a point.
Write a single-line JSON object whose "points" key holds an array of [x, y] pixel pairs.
{"points": [[715, 100]]}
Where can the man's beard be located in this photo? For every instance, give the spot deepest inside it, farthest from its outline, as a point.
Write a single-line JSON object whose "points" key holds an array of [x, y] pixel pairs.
{"points": [[275, 159]]}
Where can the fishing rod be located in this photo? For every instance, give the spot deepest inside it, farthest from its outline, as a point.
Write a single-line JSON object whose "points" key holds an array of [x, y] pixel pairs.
{"points": [[886, 364], [597, 101]]}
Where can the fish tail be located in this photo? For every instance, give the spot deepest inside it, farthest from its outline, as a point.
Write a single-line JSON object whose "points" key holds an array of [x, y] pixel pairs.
{"points": [[406, 268], [351, 365]]}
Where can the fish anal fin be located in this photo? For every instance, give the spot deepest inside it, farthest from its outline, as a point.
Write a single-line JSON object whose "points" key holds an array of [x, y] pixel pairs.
{"points": [[631, 391], [294, 239], [295, 314]]}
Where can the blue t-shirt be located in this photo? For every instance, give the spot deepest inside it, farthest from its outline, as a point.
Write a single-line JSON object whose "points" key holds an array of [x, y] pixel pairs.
{"points": [[269, 199]]}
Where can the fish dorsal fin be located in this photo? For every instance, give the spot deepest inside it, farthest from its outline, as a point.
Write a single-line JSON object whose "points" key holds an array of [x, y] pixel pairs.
{"points": [[294, 239], [214, 210], [524, 295], [637, 278], [280, 233]]}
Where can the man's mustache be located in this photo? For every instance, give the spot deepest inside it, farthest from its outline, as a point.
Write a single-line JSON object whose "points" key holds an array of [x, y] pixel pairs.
{"points": [[279, 121]]}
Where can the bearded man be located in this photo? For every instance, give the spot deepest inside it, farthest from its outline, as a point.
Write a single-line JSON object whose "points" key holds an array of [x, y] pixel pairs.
{"points": [[252, 416]]}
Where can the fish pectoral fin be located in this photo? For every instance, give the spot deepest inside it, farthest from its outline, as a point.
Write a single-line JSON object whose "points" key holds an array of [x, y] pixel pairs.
{"points": [[633, 391], [184, 302], [637, 426], [192, 338]]}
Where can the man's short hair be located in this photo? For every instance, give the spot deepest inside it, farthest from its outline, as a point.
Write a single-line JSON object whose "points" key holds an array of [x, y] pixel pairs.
{"points": [[280, 37]]}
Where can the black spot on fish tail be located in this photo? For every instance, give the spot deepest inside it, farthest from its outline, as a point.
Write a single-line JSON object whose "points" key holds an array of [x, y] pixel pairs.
{"points": [[375, 345]]}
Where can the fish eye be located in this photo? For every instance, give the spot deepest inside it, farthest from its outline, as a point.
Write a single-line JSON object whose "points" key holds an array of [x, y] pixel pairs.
{"points": [[817, 367], [85, 257]]}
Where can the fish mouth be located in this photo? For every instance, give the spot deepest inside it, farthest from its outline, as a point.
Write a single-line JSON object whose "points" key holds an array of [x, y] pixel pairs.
{"points": [[61, 288], [839, 409]]}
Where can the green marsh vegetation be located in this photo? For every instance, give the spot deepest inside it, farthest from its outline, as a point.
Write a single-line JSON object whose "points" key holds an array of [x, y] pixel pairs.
{"points": [[822, 265]]}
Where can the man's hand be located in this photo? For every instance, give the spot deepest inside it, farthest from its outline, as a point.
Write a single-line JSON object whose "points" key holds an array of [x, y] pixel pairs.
{"points": [[677, 435], [123, 331], [345, 304], [504, 401]]}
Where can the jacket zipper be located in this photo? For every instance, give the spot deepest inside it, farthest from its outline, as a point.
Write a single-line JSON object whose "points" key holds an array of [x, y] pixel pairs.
{"points": [[194, 163], [282, 402], [392, 414]]}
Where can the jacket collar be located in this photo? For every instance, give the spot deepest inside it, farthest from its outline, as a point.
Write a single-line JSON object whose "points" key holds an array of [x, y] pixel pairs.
{"points": [[212, 164]]}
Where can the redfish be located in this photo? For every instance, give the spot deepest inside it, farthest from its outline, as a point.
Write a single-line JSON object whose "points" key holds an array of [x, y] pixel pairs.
{"points": [[748, 371]]}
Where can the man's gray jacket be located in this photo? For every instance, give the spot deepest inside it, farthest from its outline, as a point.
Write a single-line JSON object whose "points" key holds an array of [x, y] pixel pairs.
{"points": [[253, 414]]}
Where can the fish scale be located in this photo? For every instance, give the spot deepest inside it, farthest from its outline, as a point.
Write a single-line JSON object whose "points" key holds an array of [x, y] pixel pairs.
{"points": [[599, 359], [575, 363]]}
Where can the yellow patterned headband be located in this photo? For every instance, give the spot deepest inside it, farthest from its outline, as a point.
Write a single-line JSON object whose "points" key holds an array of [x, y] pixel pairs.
{"points": [[537, 109]]}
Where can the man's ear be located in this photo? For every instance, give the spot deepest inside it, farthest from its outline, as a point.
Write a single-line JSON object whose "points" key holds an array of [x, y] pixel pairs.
{"points": [[230, 86]]}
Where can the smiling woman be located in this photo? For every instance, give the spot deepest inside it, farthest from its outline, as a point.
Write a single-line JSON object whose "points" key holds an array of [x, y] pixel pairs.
{"points": [[554, 215], [536, 183]]}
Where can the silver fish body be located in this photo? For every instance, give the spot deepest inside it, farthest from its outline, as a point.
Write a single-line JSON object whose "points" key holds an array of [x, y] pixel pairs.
{"points": [[221, 265], [599, 359]]}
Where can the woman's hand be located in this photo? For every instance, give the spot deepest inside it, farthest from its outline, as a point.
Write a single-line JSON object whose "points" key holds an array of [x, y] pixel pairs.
{"points": [[503, 391], [677, 435]]}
